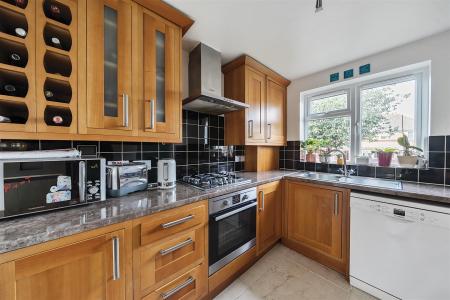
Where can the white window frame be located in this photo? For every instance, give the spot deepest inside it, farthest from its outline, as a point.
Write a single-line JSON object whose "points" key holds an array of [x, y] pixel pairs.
{"points": [[420, 72]]}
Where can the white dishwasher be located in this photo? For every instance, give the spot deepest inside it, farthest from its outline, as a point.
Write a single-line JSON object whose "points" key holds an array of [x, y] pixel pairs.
{"points": [[399, 249]]}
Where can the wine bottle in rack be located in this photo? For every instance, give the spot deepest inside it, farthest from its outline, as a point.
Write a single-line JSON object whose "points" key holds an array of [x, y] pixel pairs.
{"points": [[57, 91], [13, 23], [13, 83], [13, 53], [57, 116], [57, 64], [57, 11], [11, 112], [18, 3], [57, 37]]}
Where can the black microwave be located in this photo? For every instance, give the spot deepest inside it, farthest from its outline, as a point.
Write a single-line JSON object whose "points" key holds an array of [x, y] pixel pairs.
{"points": [[36, 185]]}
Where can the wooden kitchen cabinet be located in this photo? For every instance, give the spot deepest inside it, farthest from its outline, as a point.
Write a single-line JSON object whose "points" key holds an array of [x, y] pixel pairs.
{"points": [[316, 223], [170, 247], [156, 76], [268, 228], [94, 267], [263, 123], [108, 67]]}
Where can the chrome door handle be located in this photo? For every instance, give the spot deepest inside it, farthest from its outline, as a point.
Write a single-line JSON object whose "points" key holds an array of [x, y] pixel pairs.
{"points": [[152, 117], [250, 128], [177, 222], [262, 201], [269, 127], [125, 110], [336, 204], [228, 214], [170, 293], [176, 247], [116, 257], [82, 180]]}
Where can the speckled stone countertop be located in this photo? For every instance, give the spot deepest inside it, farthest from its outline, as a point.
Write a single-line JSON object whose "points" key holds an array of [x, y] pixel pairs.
{"points": [[437, 194], [30, 230]]}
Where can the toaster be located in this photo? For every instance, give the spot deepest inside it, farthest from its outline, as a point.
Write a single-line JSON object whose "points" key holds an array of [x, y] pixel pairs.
{"points": [[166, 173], [123, 178]]}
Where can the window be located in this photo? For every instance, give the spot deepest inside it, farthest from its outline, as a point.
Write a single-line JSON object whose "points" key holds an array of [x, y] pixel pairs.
{"points": [[371, 114]]}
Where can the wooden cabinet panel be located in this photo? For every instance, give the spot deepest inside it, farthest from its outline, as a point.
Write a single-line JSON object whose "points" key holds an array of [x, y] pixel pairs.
{"points": [[83, 270], [161, 260], [316, 221], [157, 81], [109, 100], [268, 228], [171, 222], [256, 98], [275, 113], [192, 285]]}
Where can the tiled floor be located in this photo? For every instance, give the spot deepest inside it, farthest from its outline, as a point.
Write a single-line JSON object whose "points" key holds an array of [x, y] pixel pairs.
{"points": [[285, 274]]}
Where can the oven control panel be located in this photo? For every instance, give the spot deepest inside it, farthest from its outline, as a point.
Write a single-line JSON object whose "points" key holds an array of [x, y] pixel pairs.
{"points": [[229, 200]]}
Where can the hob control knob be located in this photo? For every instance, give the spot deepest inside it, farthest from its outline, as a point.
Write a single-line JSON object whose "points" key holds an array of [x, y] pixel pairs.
{"points": [[226, 202], [245, 197], [93, 190]]}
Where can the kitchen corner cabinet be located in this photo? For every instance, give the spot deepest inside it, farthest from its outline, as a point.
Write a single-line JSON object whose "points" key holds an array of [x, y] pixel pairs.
{"points": [[263, 123], [156, 76], [268, 228], [93, 268], [108, 67], [316, 223]]}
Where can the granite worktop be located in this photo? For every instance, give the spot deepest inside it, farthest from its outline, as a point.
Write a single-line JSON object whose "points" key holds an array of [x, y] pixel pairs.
{"points": [[30, 230], [420, 192]]}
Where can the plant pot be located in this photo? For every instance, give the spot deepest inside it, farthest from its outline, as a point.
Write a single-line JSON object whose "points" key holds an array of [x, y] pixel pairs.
{"points": [[407, 161], [325, 159], [311, 157], [384, 159]]}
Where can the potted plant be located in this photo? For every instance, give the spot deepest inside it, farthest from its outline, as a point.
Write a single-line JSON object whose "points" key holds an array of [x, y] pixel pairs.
{"points": [[324, 154], [410, 153], [310, 145], [385, 156]]}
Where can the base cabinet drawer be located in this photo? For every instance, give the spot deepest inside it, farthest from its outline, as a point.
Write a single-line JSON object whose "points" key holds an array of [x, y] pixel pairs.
{"points": [[174, 221], [190, 285], [159, 261]]}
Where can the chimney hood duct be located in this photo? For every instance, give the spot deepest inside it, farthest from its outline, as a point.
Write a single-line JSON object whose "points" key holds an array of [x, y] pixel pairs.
{"points": [[205, 84]]}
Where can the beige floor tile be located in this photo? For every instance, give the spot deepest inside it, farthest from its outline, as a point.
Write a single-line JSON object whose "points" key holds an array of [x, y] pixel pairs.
{"points": [[285, 274]]}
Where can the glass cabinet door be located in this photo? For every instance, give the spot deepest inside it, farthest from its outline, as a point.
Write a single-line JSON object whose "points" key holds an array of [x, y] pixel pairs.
{"points": [[161, 58], [109, 64]]}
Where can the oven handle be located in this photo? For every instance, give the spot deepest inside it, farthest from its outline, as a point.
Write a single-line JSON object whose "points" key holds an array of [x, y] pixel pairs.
{"points": [[233, 212]]}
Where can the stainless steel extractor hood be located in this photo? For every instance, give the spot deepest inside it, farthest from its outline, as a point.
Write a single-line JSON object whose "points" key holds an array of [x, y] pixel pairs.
{"points": [[205, 84]]}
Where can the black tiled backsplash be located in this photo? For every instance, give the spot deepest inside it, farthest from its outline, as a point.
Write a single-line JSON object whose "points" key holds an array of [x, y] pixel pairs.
{"points": [[438, 171], [202, 149]]}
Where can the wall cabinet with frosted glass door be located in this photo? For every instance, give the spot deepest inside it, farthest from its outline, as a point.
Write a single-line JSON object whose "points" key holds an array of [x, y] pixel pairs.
{"points": [[108, 107], [156, 76]]}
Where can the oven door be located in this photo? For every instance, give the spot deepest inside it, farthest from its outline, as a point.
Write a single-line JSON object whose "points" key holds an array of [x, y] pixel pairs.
{"points": [[231, 233], [41, 185]]}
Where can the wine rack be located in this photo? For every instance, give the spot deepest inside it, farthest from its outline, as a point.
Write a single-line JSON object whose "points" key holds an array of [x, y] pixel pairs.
{"points": [[17, 66], [56, 56]]}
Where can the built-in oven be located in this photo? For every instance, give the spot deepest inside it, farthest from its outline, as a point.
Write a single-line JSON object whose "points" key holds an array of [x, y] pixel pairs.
{"points": [[232, 227]]}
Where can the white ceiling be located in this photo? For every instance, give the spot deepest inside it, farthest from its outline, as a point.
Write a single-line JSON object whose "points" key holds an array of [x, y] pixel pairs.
{"points": [[290, 38]]}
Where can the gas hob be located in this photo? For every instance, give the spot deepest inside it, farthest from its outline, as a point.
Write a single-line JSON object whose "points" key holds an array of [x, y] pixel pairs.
{"points": [[212, 180]]}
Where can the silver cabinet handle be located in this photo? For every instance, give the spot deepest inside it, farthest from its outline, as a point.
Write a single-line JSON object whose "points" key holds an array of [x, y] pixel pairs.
{"points": [[269, 127], [336, 204], [228, 214], [177, 222], [125, 110], [176, 247], [170, 293], [152, 110], [250, 128], [82, 180], [116, 257], [262, 201]]}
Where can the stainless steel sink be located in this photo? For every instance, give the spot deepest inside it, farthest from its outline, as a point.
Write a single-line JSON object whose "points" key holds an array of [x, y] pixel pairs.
{"points": [[364, 181]]}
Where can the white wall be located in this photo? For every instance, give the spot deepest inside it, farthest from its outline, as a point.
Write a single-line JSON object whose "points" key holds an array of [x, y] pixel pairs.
{"points": [[435, 48]]}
